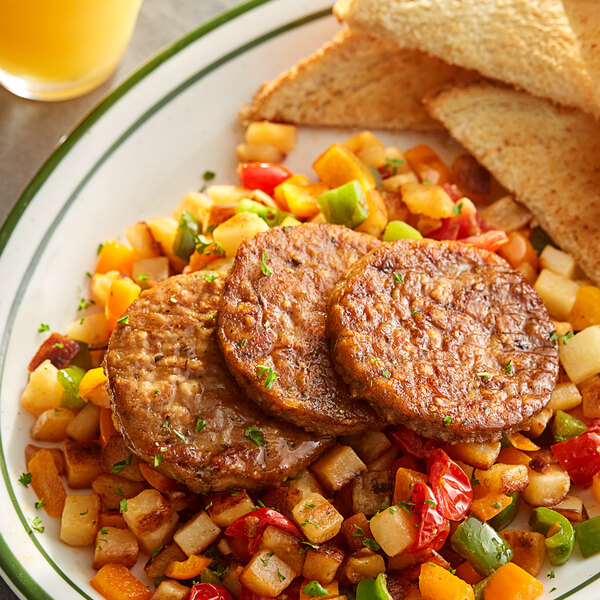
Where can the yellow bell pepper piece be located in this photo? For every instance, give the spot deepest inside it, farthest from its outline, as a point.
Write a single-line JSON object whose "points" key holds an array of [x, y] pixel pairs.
{"points": [[92, 387], [337, 166], [115, 256], [121, 294], [586, 310]]}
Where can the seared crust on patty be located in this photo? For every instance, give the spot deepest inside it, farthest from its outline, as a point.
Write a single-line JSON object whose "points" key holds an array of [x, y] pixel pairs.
{"points": [[165, 372], [272, 323], [444, 338]]}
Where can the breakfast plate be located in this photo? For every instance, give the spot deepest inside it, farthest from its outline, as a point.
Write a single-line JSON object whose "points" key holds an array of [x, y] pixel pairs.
{"points": [[133, 157]]}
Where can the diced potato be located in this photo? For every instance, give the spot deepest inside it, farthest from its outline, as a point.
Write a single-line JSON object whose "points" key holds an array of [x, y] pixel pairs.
{"points": [[116, 582], [91, 329], [570, 507], [558, 261], [112, 520], [337, 467], [282, 499], [169, 589], [528, 271], [479, 455], [394, 529], [79, 522], [231, 579], [115, 455], [395, 182], [368, 148], [512, 456], [258, 152], [581, 356], [161, 557], [318, 519], [565, 397], [351, 530], [407, 560], [227, 194], [547, 488], [43, 391], [286, 546], [85, 426], [197, 534], [306, 482], [557, 292], [283, 137], [586, 310], [267, 574], [224, 509], [163, 230], [140, 239], [372, 491], [364, 564], [529, 549], [57, 454], [384, 462], [404, 482], [100, 285], [47, 483], [198, 205], [82, 462], [112, 488], [506, 479], [468, 469], [377, 220], [151, 519], [52, 424], [538, 424], [506, 214], [369, 445], [322, 564], [590, 395], [148, 271], [427, 199], [234, 231], [219, 213], [426, 224]]}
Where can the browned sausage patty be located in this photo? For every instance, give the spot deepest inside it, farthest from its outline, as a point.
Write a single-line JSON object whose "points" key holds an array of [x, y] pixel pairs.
{"points": [[272, 325], [172, 395], [444, 338]]}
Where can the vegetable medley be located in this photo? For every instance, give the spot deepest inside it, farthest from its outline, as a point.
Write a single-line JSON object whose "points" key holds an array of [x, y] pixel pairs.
{"points": [[380, 515]]}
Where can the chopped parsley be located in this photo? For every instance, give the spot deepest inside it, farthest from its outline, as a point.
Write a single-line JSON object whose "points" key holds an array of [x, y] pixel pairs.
{"points": [[200, 425], [457, 209], [37, 525], [124, 320], [58, 345], [179, 435], [271, 376], [564, 337], [157, 550], [255, 434], [406, 505], [84, 513], [431, 503], [83, 304], [497, 505], [118, 467], [210, 277], [99, 249], [264, 267], [281, 576], [386, 373], [123, 505], [173, 299], [359, 531], [314, 589], [509, 367], [158, 458], [484, 376], [414, 312], [209, 175], [551, 575], [25, 479], [309, 506], [392, 164], [43, 327], [88, 274], [243, 342], [142, 277], [40, 503], [398, 277], [447, 421], [372, 544]]}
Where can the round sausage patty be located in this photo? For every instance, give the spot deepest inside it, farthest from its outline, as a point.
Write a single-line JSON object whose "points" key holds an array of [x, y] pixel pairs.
{"points": [[272, 325], [444, 338], [174, 399]]}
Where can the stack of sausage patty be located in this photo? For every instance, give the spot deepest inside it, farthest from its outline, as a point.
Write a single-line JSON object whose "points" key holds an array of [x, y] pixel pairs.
{"points": [[242, 379]]}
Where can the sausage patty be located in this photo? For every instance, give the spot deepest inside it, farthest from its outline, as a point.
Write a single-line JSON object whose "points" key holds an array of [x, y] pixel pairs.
{"points": [[444, 338], [173, 397], [272, 325]]}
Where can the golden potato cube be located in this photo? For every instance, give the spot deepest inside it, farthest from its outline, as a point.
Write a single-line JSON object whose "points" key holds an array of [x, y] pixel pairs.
{"points": [[558, 261], [394, 529], [140, 239], [112, 488], [52, 424], [43, 392], [590, 395], [79, 521], [224, 509], [85, 426], [198, 205], [565, 397], [151, 518], [169, 589], [197, 534], [91, 329], [384, 462], [267, 574], [581, 356], [82, 463], [506, 479], [586, 310], [306, 482], [164, 230], [337, 467], [557, 292], [369, 445], [427, 199], [227, 194], [404, 482], [282, 499], [234, 231], [161, 557], [100, 287], [286, 546], [395, 182], [528, 271], [115, 546], [372, 491], [529, 549], [353, 529], [537, 425], [148, 271], [547, 488], [283, 137], [116, 457], [368, 148], [258, 152], [322, 564], [318, 519], [570, 507], [479, 455], [364, 564], [377, 220], [506, 214]]}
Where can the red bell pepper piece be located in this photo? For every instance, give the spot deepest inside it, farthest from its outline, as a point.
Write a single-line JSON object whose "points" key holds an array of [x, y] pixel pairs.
{"points": [[490, 240], [408, 441], [433, 527], [209, 591], [451, 487], [262, 176], [580, 456]]}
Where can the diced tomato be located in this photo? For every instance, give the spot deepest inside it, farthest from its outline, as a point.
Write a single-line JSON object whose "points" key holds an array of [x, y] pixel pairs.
{"points": [[209, 591], [452, 191], [58, 349], [491, 240], [580, 456], [262, 176], [409, 442], [433, 527], [451, 486]]}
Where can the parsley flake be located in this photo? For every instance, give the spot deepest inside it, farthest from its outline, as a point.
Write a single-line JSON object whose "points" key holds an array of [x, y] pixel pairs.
{"points": [[314, 589], [265, 268], [200, 425], [497, 505], [372, 544], [210, 277], [552, 575], [271, 376], [124, 320], [123, 505], [142, 277], [157, 550], [431, 503], [255, 434], [564, 337], [83, 304], [398, 277], [37, 525], [484, 376], [173, 299], [509, 367], [40, 503], [25, 479], [457, 209], [119, 466], [447, 421], [392, 164], [43, 327], [209, 175], [243, 342], [386, 373]]}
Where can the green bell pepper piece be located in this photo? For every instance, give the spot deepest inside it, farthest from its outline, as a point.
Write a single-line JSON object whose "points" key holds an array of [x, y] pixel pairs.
{"points": [[478, 588], [69, 378], [345, 205], [83, 359], [185, 236], [588, 536], [560, 545], [399, 230], [373, 589], [271, 216], [506, 516], [209, 576], [479, 543], [567, 426]]}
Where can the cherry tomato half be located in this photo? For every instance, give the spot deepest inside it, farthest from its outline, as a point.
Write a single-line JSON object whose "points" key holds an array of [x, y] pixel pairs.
{"points": [[408, 441], [262, 176], [451, 487], [433, 527], [209, 591], [580, 456]]}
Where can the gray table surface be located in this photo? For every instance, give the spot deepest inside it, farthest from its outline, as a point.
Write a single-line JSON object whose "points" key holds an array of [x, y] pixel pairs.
{"points": [[30, 131]]}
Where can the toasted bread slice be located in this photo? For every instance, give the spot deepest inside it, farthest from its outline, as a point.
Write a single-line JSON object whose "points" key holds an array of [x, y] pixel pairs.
{"points": [[356, 80], [548, 156], [528, 43], [584, 17]]}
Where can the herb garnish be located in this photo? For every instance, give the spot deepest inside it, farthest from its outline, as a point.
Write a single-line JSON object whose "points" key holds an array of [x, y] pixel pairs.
{"points": [[265, 268], [119, 466], [255, 434]]}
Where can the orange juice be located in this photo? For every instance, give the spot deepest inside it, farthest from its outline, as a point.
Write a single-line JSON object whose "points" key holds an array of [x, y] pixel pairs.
{"points": [[52, 49]]}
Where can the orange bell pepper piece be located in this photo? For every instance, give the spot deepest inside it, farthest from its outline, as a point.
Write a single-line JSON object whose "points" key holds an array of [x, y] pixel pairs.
{"points": [[510, 582], [520, 442], [337, 166], [156, 479], [92, 387], [428, 165], [121, 294], [518, 250], [116, 582], [107, 426], [487, 503], [467, 573], [437, 583], [47, 483], [186, 569], [115, 256], [512, 456]]}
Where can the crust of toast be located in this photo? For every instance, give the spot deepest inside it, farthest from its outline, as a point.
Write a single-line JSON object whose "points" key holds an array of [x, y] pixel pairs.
{"points": [[548, 156], [527, 43], [356, 80]]}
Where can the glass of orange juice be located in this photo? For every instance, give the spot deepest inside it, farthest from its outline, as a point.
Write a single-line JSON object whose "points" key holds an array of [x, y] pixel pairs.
{"points": [[59, 49]]}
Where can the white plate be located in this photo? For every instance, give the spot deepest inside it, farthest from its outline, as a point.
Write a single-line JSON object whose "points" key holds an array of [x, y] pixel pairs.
{"points": [[135, 156]]}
